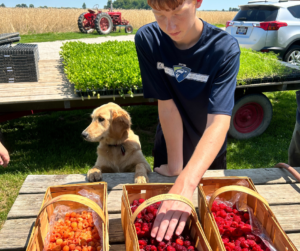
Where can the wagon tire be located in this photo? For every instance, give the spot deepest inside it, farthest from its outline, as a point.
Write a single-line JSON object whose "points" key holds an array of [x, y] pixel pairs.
{"points": [[128, 28], [251, 116], [103, 23], [80, 23]]}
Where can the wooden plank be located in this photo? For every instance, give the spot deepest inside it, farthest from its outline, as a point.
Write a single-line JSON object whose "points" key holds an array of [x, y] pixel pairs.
{"points": [[31, 84], [288, 217], [15, 234], [39, 183], [295, 238], [28, 205]]}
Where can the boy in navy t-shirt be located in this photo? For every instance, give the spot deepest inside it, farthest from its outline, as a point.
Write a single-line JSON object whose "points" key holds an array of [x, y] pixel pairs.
{"points": [[190, 66]]}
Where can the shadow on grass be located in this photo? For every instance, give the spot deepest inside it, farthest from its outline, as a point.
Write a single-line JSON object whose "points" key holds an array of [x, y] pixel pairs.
{"points": [[51, 142]]}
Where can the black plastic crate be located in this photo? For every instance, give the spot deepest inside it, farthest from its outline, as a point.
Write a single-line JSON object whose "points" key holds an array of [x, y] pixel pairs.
{"points": [[19, 63], [9, 35], [10, 40]]}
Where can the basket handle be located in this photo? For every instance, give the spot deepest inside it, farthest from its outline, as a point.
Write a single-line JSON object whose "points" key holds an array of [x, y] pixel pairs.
{"points": [[163, 197], [74, 198], [238, 189]]}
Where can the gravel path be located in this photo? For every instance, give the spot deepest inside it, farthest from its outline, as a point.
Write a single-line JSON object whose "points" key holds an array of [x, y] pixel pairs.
{"points": [[50, 50]]}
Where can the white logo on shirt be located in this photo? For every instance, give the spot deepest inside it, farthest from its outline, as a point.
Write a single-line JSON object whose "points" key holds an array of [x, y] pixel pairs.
{"points": [[191, 76]]}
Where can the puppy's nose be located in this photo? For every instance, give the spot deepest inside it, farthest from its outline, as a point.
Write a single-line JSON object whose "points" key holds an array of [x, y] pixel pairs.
{"points": [[84, 135]]}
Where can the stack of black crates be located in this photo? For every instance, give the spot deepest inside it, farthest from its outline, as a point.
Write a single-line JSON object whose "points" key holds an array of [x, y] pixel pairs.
{"points": [[19, 63]]}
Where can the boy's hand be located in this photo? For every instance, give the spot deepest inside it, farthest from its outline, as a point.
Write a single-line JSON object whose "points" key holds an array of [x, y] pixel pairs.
{"points": [[4, 156], [167, 171], [172, 213]]}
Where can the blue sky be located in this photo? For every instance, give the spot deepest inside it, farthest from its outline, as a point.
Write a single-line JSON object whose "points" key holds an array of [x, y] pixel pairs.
{"points": [[207, 4]]}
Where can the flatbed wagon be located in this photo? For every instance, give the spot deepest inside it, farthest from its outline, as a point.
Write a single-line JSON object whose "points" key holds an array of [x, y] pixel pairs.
{"points": [[251, 116]]}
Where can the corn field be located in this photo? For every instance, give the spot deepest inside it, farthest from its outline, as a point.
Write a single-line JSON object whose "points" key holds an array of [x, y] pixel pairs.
{"points": [[40, 20]]}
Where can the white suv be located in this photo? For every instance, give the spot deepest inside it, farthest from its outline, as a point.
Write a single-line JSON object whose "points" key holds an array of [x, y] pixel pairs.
{"points": [[269, 26]]}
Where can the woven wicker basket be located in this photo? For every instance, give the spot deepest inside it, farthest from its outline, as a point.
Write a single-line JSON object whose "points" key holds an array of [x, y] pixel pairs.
{"points": [[153, 193], [226, 188], [68, 195]]}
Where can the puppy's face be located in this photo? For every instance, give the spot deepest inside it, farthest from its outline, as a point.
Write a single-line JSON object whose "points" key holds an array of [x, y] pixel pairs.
{"points": [[110, 123]]}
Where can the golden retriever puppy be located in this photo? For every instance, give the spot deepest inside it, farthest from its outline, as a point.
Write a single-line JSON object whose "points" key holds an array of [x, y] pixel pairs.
{"points": [[119, 148]]}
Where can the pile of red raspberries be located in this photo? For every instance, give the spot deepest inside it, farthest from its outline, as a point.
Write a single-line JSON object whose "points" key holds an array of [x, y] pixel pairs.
{"points": [[235, 229], [143, 225]]}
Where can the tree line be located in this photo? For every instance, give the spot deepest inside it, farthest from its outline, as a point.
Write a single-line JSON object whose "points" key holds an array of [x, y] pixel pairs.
{"points": [[128, 4]]}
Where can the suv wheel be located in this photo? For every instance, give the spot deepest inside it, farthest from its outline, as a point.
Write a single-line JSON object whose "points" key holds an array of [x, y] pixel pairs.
{"points": [[293, 55]]}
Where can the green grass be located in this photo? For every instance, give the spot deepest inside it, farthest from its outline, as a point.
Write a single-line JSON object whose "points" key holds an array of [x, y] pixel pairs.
{"points": [[51, 36], [220, 25], [50, 143]]}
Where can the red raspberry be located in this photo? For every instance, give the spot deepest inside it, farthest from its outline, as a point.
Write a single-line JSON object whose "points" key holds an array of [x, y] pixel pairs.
{"points": [[225, 240], [145, 224], [250, 237], [237, 243], [139, 216], [237, 218], [144, 211], [153, 248], [141, 200], [241, 238], [135, 202], [138, 230], [190, 248], [137, 224], [245, 249], [228, 209], [147, 218], [244, 244], [235, 211], [133, 208], [139, 221], [229, 244], [186, 243], [256, 248], [246, 229], [246, 216], [228, 249], [150, 209], [148, 248], [162, 244], [179, 241], [150, 225], [143, 242], [151, 216], [154, 212], [222, 206], [223, 214], [169, 248], [237, 248], [234, 224]]}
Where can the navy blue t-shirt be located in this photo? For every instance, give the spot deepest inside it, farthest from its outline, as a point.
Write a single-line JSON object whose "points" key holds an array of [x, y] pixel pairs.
{"points": [[201, 80]]}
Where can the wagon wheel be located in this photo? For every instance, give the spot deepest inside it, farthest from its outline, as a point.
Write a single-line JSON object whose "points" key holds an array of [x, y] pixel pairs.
{"points": [[83, 24], [128, 28], [251, 116], [103, 23]]}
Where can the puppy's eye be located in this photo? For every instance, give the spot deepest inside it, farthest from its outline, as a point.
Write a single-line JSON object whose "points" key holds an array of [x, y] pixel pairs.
{"points": [[100, 119]]}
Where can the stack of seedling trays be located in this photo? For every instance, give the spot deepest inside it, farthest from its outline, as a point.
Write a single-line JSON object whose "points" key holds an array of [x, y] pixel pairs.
{"points": [[8, 38], [19, 63]]}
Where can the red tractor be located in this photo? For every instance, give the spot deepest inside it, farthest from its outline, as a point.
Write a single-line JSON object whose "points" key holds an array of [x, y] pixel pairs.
{"points": [[103, 22]]}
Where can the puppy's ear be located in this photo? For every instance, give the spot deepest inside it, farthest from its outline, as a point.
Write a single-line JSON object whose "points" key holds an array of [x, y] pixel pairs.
{"points": [[121, 122]]}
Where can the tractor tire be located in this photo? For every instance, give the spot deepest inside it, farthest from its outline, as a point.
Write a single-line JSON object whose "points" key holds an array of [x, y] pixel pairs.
{"points": [[251, 116], [128, 28], [103, 23], [80, 23]]}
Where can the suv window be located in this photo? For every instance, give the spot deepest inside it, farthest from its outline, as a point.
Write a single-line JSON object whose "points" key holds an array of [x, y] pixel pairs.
{"points": [[257, 14], [295, 11]]}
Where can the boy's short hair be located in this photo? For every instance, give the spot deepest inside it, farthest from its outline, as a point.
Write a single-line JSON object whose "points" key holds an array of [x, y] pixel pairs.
{"points": [[165, 4]]}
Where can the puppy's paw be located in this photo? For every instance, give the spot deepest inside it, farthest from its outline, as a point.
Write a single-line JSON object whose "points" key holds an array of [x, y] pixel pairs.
{"points": [[94, 174], [141, 179]]}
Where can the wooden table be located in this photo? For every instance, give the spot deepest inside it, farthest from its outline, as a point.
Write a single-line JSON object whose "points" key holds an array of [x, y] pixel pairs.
{"points": [[276, 185]]}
